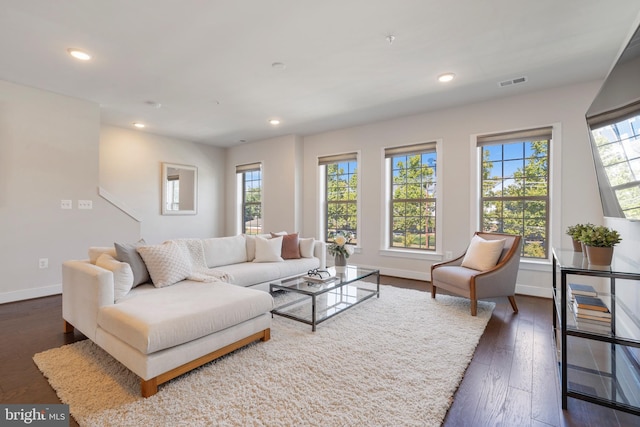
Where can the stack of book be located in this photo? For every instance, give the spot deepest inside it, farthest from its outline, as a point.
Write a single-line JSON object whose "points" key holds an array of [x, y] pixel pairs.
{"points": [[591, 308], [578, 289]]}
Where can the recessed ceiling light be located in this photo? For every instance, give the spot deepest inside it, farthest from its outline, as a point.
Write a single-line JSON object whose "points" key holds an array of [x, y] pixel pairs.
{"points": [[274, 122], [139, 125], [445, 78], [79, 54]]}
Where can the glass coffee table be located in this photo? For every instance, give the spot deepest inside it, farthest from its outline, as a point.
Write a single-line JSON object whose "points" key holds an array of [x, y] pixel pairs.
{"points": [[314, 302]]}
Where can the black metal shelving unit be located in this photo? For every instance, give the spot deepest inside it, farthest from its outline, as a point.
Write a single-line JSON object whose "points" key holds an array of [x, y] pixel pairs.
{"points": [[596, 363]]}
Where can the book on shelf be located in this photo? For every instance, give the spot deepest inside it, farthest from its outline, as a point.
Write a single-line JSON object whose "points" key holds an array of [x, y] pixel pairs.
{"points": [[606, 320], [591, 324], [591, 303], [579, 289], [603, 314]]}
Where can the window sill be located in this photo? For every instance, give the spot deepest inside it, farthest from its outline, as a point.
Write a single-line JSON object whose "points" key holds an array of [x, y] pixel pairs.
{"points": [[535, 265]]}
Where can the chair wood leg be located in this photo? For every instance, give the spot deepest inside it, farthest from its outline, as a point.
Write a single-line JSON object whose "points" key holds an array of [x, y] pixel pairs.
{"points": [[474, 307], [512, 300], [433, 291]]}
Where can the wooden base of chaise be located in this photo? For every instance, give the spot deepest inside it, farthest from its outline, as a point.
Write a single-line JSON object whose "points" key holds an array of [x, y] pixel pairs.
{"points": [[150, 387], [67, 327]]}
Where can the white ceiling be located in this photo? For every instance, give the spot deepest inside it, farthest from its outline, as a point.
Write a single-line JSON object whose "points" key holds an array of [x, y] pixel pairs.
{"points": [[209, 62]]}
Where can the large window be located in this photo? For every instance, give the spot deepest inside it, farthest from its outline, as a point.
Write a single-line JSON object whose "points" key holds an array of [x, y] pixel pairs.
{"points": [[616, 139], [413, 196], [251, 211], [514, 187], [340, 195]]}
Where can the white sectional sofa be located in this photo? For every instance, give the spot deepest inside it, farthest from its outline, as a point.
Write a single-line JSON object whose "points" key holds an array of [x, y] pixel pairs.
{"points": [[205, 298]]}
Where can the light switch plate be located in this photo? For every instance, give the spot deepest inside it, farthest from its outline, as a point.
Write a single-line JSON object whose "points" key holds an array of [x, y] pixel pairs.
{"points": [[85, 204], [66, 204]]}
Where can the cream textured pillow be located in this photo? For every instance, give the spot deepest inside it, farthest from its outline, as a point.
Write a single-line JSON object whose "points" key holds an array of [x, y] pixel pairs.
{"points": [[167, 263], [483, 254], [268, 250], [122, 275], [306, 247]]}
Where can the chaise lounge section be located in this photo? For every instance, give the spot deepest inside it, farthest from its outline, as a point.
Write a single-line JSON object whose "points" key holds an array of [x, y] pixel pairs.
{"points": [[161, 332]]}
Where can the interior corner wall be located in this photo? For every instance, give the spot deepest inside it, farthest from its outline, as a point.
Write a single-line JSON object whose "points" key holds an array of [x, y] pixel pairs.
{"points": [[281, 176], [131, 171], [48, 153]]}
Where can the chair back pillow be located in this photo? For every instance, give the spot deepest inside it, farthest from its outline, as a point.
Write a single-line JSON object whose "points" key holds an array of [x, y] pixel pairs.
{"points": [[483, 255]]}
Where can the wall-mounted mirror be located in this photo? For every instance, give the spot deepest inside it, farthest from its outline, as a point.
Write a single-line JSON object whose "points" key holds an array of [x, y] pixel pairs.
{"points": [[179, 189]]}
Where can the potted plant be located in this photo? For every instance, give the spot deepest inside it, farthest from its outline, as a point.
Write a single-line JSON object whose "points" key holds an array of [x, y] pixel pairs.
{"points": [[599, 242], [575, 231], [340, 248]]}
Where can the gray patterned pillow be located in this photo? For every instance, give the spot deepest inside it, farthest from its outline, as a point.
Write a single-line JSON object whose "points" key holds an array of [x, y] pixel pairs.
{"points": [[167, 263]]}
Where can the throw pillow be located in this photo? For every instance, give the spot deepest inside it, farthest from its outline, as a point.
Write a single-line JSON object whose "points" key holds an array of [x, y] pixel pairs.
{"points": [[96, 251], [122, 275], [167, 263], [290, 246], [268, 250], [126, 252], [306, 247], [483, 254]]}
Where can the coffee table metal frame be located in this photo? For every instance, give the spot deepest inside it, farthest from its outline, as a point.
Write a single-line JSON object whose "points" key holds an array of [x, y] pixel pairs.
{"points": [[345, 276]]}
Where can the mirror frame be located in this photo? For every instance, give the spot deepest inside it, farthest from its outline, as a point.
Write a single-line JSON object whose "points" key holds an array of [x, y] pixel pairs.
{"points": [[165, 180]]}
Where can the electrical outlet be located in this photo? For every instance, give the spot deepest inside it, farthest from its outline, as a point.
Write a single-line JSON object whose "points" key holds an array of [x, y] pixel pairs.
{"points": [[448, 255], [85, 204], [43, 263], [66, 204]]}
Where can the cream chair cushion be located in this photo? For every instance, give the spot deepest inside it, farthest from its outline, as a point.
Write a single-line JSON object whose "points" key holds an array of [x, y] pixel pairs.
{"points": [[483, 254]]}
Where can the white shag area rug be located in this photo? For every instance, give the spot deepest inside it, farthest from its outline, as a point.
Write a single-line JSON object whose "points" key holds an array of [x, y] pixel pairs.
{"points": [[392, 361]]}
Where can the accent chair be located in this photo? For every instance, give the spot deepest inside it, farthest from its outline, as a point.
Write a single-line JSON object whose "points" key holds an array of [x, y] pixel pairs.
{"points": [[487, 269]]}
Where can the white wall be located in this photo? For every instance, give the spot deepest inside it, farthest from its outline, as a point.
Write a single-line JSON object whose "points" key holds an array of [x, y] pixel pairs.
{"points": [[49, 153], [281, 182], [562, 107], [131, 171]]}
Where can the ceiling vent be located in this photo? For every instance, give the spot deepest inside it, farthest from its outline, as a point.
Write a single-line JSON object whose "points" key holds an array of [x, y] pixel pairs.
{"points": [[511, 82]]}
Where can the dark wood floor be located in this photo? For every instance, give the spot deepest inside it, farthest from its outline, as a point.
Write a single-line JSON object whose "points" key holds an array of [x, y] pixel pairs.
{"points": [[511, 381]]}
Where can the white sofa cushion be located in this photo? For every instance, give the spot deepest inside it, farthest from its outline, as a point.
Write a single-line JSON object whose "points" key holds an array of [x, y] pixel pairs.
{"points": [[122, 274], [306, 247], [268, 250], [224, 250], [151, 319], [96, 251], [250, 273]]}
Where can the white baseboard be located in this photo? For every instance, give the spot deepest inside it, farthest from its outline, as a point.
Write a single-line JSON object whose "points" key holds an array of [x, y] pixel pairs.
{"points": [[30, 293], [533, 291]]}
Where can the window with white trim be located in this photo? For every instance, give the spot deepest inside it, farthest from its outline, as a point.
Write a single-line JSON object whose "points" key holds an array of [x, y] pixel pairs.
{"points": [[251, 194], [340, 195], [616, 148], [412, 204], [514, 187]]}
